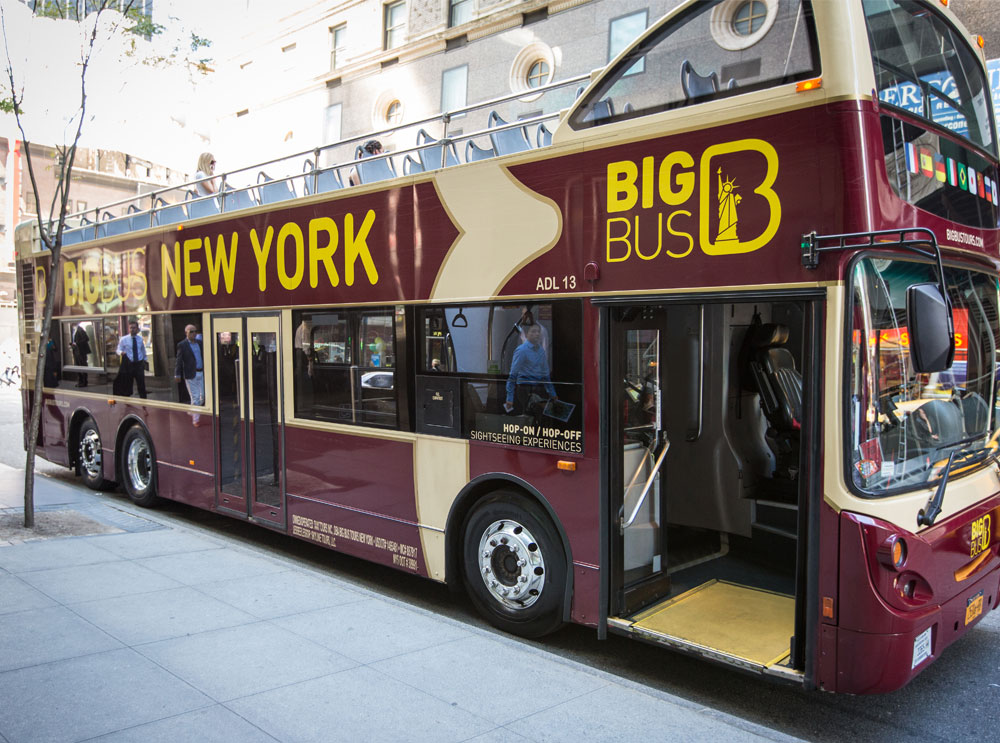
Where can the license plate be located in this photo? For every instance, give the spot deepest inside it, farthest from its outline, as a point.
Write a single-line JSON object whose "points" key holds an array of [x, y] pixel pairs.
{"points": [[973, 607], [922, 647]]}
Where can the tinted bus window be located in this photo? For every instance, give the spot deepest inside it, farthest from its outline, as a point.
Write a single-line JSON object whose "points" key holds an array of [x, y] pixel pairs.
{"points": [[344, 366], [698, 56]]}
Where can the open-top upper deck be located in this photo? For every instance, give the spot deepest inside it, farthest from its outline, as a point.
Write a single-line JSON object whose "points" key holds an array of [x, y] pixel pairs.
{"points": [[692, 146]]}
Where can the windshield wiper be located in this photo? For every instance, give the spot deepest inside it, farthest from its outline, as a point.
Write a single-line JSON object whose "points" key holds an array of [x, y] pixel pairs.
{"points": [[927, 515]]}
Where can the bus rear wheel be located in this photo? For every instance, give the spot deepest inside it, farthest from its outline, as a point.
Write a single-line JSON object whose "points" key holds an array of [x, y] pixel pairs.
{"points": [[90, 459], [514, 565], [139, 468]]}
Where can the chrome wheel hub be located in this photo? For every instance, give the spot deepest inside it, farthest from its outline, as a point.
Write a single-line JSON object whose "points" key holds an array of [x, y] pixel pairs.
{"points": [[138, 462], [90, 453], [511, 564]]}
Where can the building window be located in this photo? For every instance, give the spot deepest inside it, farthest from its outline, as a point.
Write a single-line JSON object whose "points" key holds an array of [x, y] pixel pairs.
{"points": [[454, 88], [394, 113], [624, 31], [739, 24], [395, 24], [459, 12], [538, 73], [338, 46], [332, 123], [749, 17]]}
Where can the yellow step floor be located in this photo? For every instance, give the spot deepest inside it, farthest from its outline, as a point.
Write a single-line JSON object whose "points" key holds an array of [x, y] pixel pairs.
{"points": [[743, 622]]}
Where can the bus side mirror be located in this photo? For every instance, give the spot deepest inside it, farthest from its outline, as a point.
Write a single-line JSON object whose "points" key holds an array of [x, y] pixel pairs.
{"points": [[932, 333]]}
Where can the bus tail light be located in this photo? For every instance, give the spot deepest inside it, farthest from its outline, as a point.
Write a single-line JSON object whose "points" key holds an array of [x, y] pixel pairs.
{"points": [[804, 85], [892, 552]]}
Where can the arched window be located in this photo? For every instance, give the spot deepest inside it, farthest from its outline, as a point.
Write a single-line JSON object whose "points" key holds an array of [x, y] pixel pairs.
{"points": [[749, 17], [538, 73]]}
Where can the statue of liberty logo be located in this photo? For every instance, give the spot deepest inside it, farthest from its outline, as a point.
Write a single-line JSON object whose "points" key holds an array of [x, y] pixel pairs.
{"points": [[728, 201]]}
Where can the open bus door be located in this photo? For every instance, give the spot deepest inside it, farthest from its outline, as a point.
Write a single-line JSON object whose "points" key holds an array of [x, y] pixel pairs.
{"points": [[708, 491], [248, 409]]}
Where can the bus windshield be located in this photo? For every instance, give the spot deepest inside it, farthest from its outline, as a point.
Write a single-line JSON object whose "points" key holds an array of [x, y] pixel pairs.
{"points": [[925, 67], [902, 424]]}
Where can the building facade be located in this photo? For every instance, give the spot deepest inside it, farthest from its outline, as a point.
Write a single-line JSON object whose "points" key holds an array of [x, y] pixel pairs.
{"points": [[320, 71]]}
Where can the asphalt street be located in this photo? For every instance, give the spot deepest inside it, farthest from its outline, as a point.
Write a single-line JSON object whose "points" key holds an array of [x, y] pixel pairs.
{"points": [[956, 698]]}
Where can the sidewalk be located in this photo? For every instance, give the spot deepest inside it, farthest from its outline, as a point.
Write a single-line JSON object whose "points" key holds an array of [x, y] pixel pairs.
{"points": [[153, 632]]}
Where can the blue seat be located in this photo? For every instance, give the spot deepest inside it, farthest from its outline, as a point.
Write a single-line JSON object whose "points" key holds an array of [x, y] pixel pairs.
{"points": [[372, 170], [137, 220], [431, 152], [507, 141], [411, 166], [112, 226], [241, 199], [201, 206], [271, 191], [543, 136], [168, 213], [473, 152], [696, 85], [324, 180], [602, 109], [79, 234]]}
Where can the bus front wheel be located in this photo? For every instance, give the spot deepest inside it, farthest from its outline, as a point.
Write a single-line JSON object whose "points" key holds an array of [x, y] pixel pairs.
{"points": [[90, 459], [139, 467], [514, 565]]}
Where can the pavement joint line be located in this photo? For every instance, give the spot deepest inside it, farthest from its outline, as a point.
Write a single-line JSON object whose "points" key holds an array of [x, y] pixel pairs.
{"points": [[111, 499]]}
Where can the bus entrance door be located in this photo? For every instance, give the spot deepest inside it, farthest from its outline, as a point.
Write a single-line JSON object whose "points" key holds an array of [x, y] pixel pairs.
{"points": [[248, 408], [643, 445]]}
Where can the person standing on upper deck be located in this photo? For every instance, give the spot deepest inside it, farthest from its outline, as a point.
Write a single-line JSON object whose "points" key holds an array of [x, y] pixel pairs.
{"points": [[206, 169], [132, 351]]}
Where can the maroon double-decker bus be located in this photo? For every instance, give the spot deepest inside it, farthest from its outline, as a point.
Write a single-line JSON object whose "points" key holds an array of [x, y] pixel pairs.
{"points": [[707, 358]]}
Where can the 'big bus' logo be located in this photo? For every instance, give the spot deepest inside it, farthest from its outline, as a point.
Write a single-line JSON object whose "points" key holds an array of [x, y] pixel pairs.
{"points": [[669, 185]]}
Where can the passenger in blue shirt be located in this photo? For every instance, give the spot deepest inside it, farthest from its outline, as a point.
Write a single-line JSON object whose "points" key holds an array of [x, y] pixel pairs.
{"points": [[529, 369]]}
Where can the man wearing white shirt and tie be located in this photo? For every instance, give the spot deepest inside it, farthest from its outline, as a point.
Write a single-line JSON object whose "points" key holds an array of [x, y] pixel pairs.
{"points": [[133, 358]]}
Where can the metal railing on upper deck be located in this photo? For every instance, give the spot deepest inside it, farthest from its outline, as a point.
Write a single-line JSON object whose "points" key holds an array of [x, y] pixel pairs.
{"points": [[511, 123]]}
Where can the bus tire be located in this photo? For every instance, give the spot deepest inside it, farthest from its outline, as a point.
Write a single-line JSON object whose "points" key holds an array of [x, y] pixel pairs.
{"points": [[90, 456], [139, 467], [514, 565]]}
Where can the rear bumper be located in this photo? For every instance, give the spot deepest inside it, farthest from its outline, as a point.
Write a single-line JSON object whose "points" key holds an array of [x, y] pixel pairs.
{"points": [[869, 663]]}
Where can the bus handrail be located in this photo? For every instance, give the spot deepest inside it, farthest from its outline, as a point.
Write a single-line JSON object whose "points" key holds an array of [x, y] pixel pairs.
{"points": [[226, 179]]}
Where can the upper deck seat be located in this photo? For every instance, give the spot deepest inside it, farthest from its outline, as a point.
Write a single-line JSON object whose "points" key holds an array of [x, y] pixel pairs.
{"points": [[242, 198], [696, 85], [168, 213], [137, 220], [271, 191], [201, 206], [79, 234], [473, 152], [433, 154], [411, 166], [373, 169], [543, 136], [111, 225], [602, 109], [323, 180], [507, 141]]}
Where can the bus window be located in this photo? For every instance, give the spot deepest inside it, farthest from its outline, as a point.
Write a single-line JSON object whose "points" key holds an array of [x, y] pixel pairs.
{"points": [[902, 423], [697, 56], [518, 369], [344, 366], [924, 67]]}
